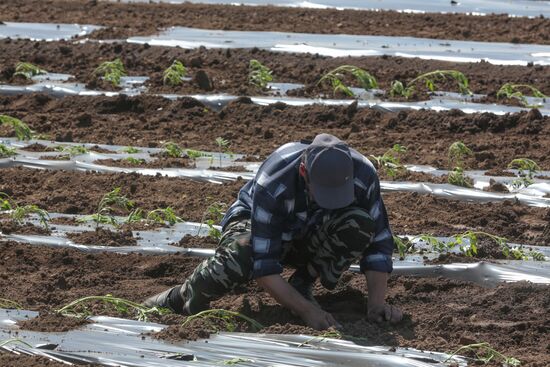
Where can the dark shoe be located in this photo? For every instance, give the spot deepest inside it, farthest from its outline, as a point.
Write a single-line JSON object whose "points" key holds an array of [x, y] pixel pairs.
{"points": [[304, 287], [159, 300]]}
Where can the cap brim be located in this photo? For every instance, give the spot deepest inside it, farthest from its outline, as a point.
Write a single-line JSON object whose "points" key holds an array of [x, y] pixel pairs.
{"points": [[333, 197]]}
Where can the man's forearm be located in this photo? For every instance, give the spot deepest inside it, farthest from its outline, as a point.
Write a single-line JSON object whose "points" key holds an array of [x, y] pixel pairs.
{"points": [[377, 283], [285, 294]]}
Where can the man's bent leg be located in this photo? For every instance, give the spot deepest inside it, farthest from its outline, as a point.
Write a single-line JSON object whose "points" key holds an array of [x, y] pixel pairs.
{"points": [[341, 239], [230, 266]]}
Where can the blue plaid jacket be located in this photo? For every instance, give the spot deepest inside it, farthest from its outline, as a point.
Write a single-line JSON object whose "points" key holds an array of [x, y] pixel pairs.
{"points": [[276, 202]]}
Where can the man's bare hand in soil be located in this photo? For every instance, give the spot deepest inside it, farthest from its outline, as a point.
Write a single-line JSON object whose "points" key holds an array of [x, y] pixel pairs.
{"points": [[319, 319], [378, 309], [384, 312]]}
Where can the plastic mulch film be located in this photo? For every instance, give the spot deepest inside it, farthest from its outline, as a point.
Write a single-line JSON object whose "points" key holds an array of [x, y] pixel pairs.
{"points": [[526, 8], [44, 31], [112, 341], [342, 45]]}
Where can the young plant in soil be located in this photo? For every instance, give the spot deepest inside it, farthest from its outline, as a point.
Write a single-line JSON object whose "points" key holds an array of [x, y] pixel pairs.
{"points": [[9, 304], [73, 150], [173, 150], [484, 353], [173, 75], [136, 161], [335, 76], [6, 152], [163, 216], [400, 90], [212, 216], [13, 341], [131, 150], [195, 154], [18, 213], [332, 334], [22, 131], [390, 161], [259, 75], [227, 318], [111, 71], [109, 202], [510, 90], [457, 154], [27, 70], [223, 147], [78, 307], [527, 169], [403, 246]]}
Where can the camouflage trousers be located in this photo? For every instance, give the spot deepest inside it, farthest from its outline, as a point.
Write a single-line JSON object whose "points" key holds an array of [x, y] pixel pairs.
{"points": [[325, 254]]}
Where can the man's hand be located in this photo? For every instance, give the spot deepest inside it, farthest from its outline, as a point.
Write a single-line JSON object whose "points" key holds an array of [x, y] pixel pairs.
{"points": [[384, 312], [319, 319]]}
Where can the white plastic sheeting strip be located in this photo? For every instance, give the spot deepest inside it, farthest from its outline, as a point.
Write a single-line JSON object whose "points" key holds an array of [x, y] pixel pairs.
{"points": [[341, 45], [526, 8], [110, 341], [44, 31]]}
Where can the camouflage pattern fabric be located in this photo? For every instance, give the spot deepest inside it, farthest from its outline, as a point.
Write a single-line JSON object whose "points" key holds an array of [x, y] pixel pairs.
{"points": [[325, 252]]}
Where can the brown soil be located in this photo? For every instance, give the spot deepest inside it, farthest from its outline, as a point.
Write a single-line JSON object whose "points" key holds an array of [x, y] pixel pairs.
{"points": [[189, 241], [103, 237], [51, 321], [410, 213], [18, 360], [253, 129], [449, 258], [9, 227], [228, 69], [35, 147], [61, 157], [65, 221], [440, 314], [123, 20], [157, 163], [496, 187]]}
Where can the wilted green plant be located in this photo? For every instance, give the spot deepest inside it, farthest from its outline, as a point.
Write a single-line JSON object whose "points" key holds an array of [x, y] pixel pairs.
{"points": [[468, 244], [6, 152], [537, 256], [332, 334], [259, 74], [334, 77], [22, 131], [173, 150], [227, 318], [510, 90], [110, 201], [211, 217], [527, 169], [78, 307], [27, 70], [164, 215], [402, 245], [399, 89], [435, 243], [131, 150], [73, 150], [134, 216], [458, 151], [195, 154], [136, 161], [9, 304], [230, 362], [390, 161], [223, 147], [111, 71], [485, 353], [174, 73], [18, 212]]}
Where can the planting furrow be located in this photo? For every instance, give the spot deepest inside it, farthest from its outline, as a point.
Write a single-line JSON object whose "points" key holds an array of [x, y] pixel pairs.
{"points": [[121, 20]]}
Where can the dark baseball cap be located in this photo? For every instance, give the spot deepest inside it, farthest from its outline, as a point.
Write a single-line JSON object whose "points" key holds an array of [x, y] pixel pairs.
{"points": [[330, 171]]}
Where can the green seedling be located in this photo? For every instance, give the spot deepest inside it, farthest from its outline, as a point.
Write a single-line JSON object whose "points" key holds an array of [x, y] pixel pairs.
{"points": [[73, 150], [332, 334], [527, 169], [195, 154], [223, 147], [18, 213], [135, 216], [22, 131], [173, 150], [111, 71], [230, 362], [458, 151], [403, 246], [390, 161], [399, 89], [131, 150], [259, 75], [79, 309], [484, 353], [13, 341], [227, 318], [174, 73], [6, 152], [162, 216], [211, 217], [136, 161], [335, 76], [510, 90], [108, 203], [27, 70], [537, 256], [435, 243], [9, 304]]}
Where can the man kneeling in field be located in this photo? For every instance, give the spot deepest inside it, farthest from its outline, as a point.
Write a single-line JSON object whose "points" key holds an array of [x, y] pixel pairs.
{"points": [[314, 207]]}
